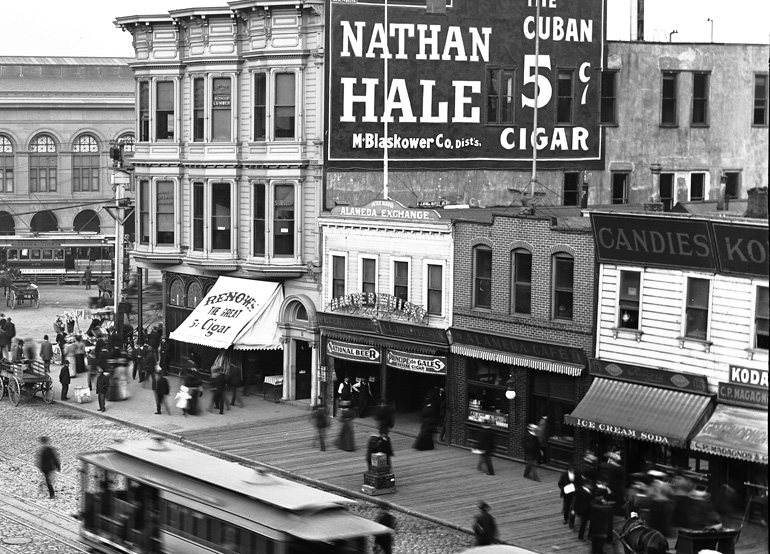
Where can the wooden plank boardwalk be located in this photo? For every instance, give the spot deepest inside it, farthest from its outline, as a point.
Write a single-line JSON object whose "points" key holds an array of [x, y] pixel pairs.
{"points": [[441, 485]]}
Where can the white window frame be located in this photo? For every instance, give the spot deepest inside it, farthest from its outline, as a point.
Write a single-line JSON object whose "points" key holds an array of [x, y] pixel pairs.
{"points": [[425, 290], [207, 251], [618, 310], [753, 334], [153, 214], [392, 291], [270, 98], [706, 185], [270, 185], [709, 321], [154, 109], [330, 273], [376, 261]]}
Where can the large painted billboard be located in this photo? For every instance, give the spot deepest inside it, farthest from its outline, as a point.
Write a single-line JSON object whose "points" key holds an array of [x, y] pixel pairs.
{"points": [[458, 89]]}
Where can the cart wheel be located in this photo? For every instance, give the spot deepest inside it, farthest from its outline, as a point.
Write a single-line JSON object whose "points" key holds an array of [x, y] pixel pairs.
{"points": [[46, 387], [2, 388], [8, 298], [37, 300], [14, 390], [13, 300]]}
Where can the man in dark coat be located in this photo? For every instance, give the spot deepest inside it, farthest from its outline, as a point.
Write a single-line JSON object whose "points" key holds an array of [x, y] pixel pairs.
{"points": [[64, 379], [569, 482], [218, 386], [531, 446], [601, 523], [48, 462], [165, 353], [378, 444], [320, 422], [484, 526], [5, 340], [162, 390], [148, 364], [153, 340], [102, 386], [486, 446], [87, 277], [46, 353], [583, 497]]}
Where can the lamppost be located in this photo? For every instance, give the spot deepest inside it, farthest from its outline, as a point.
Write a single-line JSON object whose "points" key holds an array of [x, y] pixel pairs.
{"points": [[712, 28], [510, 393], [672, 33]]}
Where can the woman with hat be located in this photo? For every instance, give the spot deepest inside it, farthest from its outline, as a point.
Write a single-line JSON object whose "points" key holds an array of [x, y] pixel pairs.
{"points": [[531, 446]]}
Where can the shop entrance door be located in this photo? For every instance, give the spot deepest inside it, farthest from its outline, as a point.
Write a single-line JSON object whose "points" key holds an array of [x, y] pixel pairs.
{"points": [[303, 360]]}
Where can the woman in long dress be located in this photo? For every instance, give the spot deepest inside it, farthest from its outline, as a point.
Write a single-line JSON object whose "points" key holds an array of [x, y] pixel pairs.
{"points": [[346, 440], [424, 439]]}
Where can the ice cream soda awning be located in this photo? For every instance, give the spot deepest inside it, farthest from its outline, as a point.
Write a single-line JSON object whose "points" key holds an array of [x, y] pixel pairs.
{"points": [[238, 312]]}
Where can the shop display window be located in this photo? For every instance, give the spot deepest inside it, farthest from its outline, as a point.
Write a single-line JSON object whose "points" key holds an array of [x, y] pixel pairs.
{"points": [[486, 392]]}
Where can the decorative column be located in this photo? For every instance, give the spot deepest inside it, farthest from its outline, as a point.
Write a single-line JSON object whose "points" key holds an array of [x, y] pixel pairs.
{"points": [[288, 369], [315, 377]]}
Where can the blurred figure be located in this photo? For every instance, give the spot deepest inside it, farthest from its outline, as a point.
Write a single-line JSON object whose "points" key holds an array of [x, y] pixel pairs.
{"points": [[162, 390], [364, 393], [424, 440], [531, 446], [662, 502], [484, 526], [385, 542], [29, 350], [320, 422], [218, 384], [102, 386], [47, 463], [386, 416], [486, 446], [378, 444], [700, 513], [346, 439], [582, 508], [601, 522]]}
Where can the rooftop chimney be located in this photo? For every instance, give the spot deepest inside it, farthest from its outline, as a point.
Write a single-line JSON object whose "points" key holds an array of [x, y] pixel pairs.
{"points": [[757, 206]]}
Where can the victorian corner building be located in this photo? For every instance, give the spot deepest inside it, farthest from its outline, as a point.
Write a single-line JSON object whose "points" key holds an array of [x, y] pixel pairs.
{"points": [[228, 174]]}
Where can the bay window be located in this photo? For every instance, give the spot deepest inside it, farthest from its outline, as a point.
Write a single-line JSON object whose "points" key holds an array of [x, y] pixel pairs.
{"points": [[198, 109], [144, 212], [285, 108], [164, 110], [221, 110], [221, 224], [165, 217], [157, 212], [283, 224], [197, 216], [274, 202]]}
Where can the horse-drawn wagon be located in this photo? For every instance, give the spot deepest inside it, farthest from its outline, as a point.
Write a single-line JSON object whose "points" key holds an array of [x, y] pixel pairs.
{"points": [[29, 376], [22, 292]]}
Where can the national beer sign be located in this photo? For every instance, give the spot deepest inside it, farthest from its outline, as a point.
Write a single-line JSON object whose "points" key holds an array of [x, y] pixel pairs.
{"points": [[353, 352], [459, 88]]}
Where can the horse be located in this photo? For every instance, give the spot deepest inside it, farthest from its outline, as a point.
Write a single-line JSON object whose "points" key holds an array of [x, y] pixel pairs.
{"points": [[638, 538], [7, 277]]}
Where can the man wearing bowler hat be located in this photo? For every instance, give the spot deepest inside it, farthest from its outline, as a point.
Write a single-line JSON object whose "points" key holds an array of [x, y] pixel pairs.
{"points": [[531, 445]]}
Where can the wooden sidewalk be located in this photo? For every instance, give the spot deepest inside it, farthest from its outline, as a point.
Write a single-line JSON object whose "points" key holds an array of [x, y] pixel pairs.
{"points": [[442, 485]]}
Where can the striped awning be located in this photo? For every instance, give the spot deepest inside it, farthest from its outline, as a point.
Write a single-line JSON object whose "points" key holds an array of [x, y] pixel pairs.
{"points": [[652, 414], [735, 433], [515, 359]]}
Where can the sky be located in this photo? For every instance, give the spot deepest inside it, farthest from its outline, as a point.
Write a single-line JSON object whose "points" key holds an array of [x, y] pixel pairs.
{"points": [[85, 27]]}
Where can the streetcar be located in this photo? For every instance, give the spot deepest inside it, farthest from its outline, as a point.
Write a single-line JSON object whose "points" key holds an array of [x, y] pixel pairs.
{"points": [[158, 496], [58, 254]]}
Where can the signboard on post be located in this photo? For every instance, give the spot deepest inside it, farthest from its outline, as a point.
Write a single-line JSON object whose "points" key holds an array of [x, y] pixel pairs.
{"points": [[463, 83]]}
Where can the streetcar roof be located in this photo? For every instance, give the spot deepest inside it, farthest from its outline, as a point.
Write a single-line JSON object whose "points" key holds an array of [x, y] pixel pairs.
{"points": [[135, 458]]}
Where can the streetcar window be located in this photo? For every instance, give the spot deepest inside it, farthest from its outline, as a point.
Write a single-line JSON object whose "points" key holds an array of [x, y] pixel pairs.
{"points": [[48, 254], [24, 254], [94, 253], [13, 254], [231, 539], [200, 526], [35, 254]]}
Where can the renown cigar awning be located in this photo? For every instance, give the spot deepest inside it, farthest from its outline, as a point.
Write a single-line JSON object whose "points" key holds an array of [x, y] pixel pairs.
{"points": [[735, 433], [238, 312], [641, 412]]}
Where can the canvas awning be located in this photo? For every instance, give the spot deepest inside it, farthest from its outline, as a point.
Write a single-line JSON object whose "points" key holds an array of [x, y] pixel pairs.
{"points": [[238, 312], [641, 412], [735, 433]]}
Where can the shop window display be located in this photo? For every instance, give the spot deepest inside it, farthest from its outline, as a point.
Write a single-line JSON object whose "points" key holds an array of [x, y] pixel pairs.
{"points": [[486, 392]]}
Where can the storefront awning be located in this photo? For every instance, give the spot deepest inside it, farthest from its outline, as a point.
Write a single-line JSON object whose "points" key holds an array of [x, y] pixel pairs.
{"points": [[735, 433], [640, 412], [237, 312]]}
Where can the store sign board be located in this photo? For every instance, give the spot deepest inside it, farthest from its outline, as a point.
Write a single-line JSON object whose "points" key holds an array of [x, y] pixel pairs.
{"points": [[544, 350], [353, 352], [621, 430], [742, 394], [648, 376], [421, 333], [346, 323], [748, 376], [742, 249], [378, 306], [461, 86], [386, 209], [409, 361]]}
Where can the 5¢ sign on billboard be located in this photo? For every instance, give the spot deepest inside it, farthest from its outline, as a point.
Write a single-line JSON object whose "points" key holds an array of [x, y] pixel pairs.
{"points": [[463, 86]]}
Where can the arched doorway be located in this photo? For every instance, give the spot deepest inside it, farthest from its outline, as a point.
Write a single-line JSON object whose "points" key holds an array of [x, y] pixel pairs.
{"points": [[7, 226], [44, 222], [87, 221], [299, 324]]}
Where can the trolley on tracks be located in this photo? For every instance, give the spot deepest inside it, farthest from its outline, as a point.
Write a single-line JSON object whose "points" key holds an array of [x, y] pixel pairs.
{"points": [[31, 377], [22, 292], [158, 496]]}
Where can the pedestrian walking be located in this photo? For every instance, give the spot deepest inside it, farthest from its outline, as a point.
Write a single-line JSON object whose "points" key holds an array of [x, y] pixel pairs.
{"points": [[569, 482], [442, 420], [484, 526], [154, 339], [46, 353], [80, 355], [16, 350], [149, 365], [162, 390], [234, 380], [87, 277], [364, 392], [5, 339], [346, 440], [583, 497], [165, 354], [485, 446], [531, 446], [102, 386], [384, 543], [65, 379], [218, 385], [193, 383], [320, 422], [542, 437], [424, 440], [48, 462], [601, 523], [386, 416]]}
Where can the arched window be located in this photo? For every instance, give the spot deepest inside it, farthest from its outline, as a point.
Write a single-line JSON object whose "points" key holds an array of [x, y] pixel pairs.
{"points": [[7, 226], [301, 313], [43, 164], [521, 281], [85, 164], [44, 222], [194, 294], [482, 277], [176, 293], [87, 221], [127, 141], [563, 279], [6, 165]]}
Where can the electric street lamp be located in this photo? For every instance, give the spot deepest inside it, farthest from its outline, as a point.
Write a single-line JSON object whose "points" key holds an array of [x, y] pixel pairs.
{"points": [[672, 33]]}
